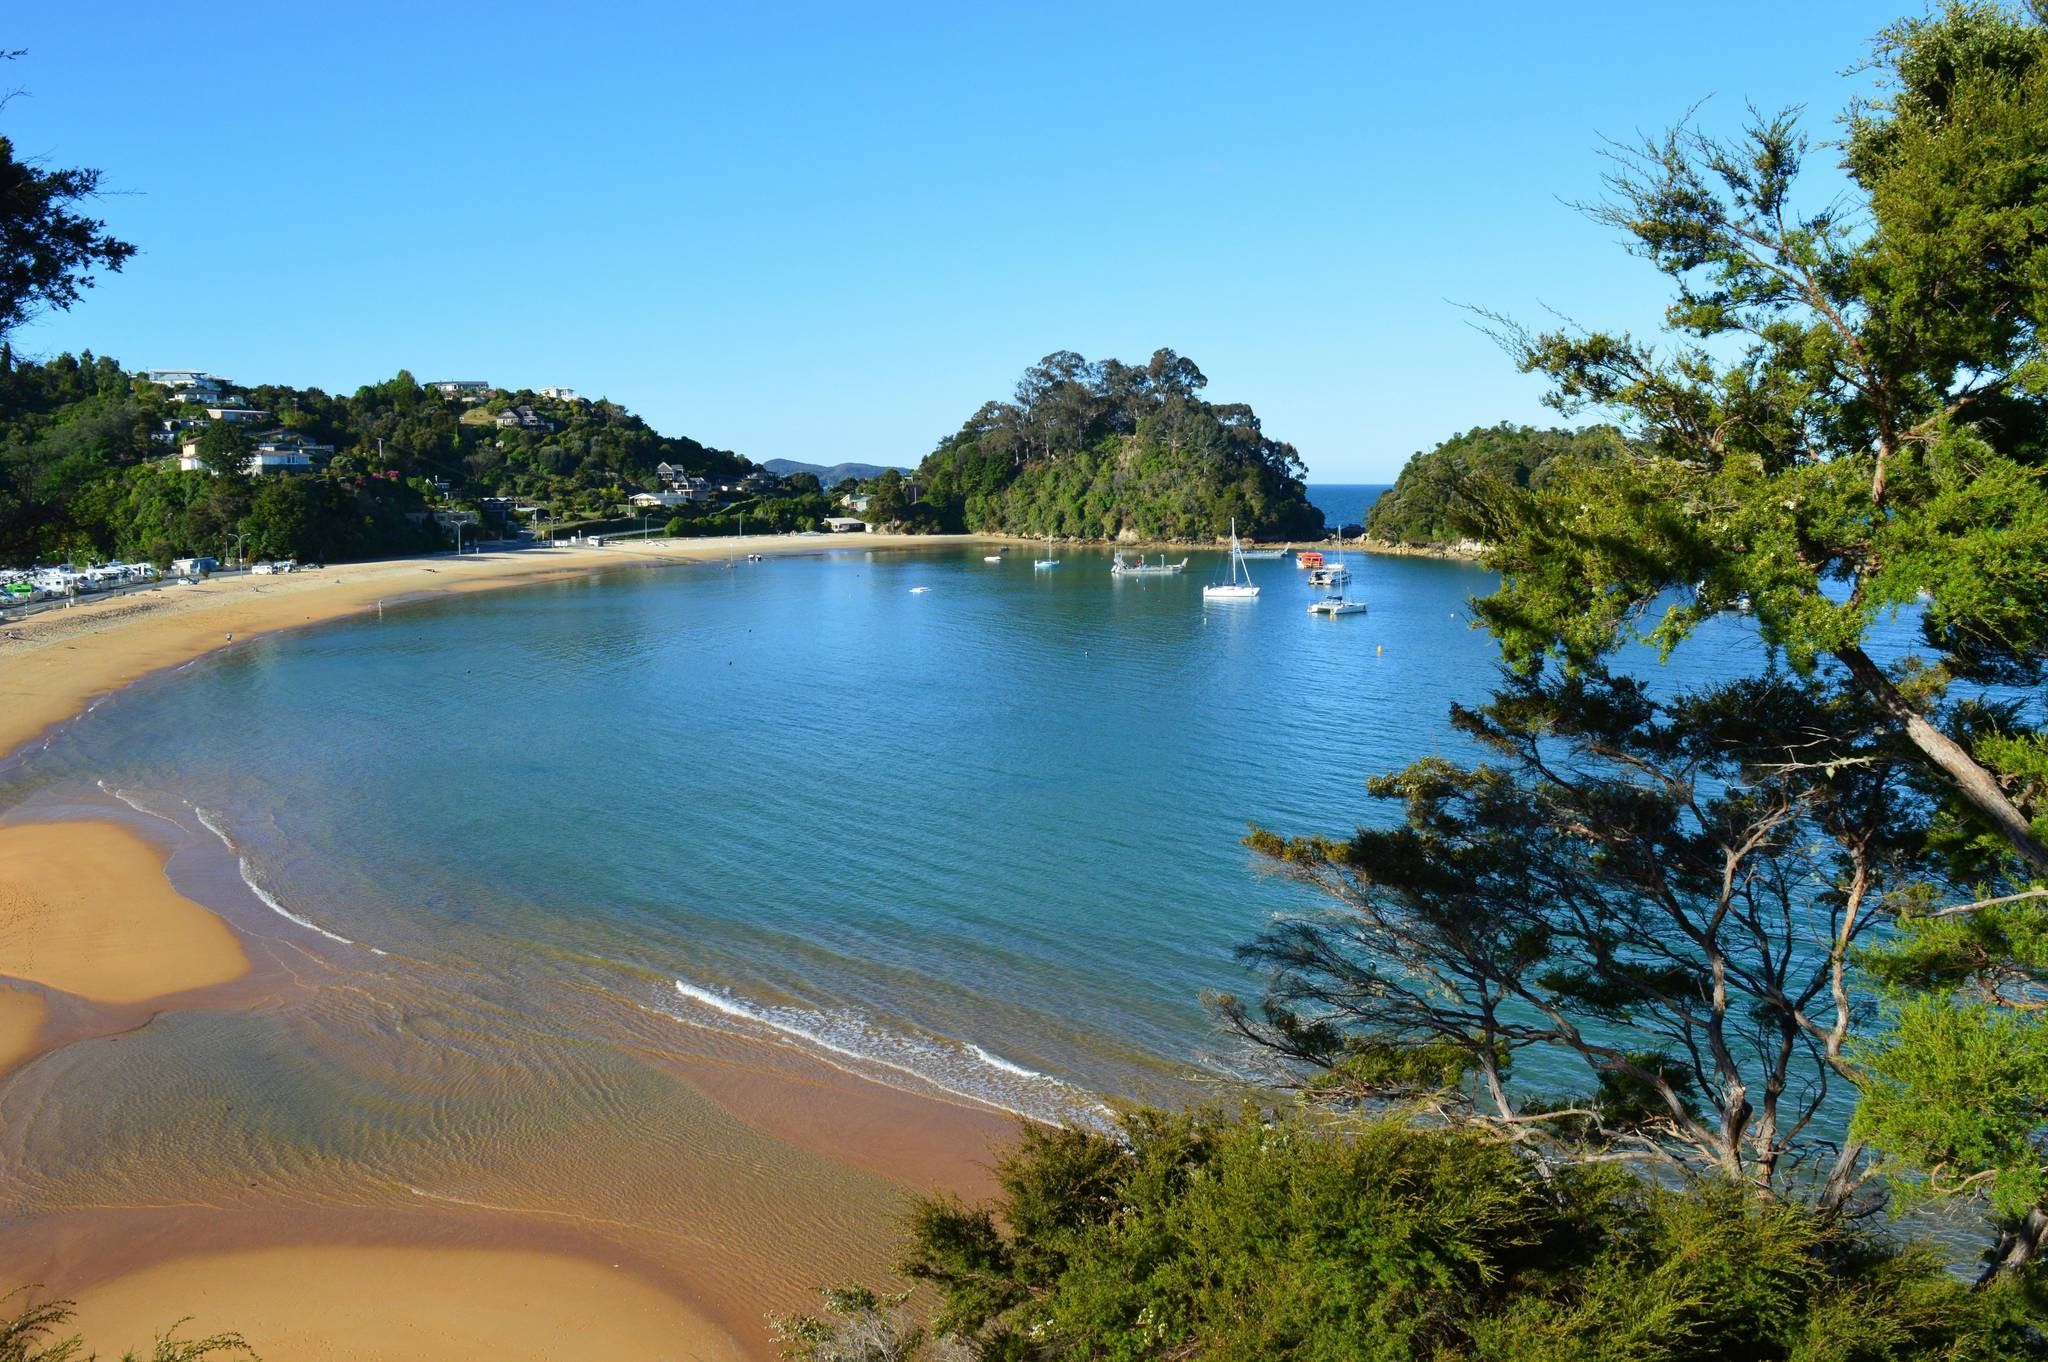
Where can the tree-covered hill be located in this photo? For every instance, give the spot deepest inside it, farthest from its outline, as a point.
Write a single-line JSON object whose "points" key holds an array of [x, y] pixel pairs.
{"points": [[1106, 450], [1430, 504], [88, 464]]}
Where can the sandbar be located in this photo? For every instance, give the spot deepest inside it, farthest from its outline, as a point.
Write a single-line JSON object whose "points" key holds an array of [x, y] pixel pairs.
{"points": [[85, 909]]}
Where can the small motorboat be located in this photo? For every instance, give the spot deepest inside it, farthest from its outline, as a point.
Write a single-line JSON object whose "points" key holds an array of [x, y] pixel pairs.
{"points": [[992, 558], [1119, 568], [1336, 605], [1308, 558], [919, 590]]}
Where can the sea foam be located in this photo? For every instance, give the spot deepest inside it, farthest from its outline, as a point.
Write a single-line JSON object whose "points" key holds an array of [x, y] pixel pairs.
{"points": [[270, 900], [961, 1069]]}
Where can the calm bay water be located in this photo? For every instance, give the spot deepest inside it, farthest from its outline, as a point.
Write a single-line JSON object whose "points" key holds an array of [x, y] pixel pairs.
{"points": [[986, 833]]}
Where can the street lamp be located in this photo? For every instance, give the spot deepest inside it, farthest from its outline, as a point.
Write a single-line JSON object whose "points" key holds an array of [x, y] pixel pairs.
{"points": [[235, 557]]}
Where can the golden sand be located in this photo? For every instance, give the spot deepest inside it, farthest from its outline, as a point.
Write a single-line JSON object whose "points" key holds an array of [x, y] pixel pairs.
{"points": [[344, 1303], [52, 663], [85, 909]]}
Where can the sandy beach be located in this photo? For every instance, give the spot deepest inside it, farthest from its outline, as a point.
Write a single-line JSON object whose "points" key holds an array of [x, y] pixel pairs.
{"points": [[89, 920]]}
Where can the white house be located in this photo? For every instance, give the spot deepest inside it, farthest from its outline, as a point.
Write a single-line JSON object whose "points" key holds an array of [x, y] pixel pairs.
{"points": [[464, 389], [241, 416], [561, 394], [654, 500], [842, 524], [278, 453], [189, 385]]}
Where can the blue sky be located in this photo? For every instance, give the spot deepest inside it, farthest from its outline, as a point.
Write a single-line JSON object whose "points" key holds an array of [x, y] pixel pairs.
{"points": [[830, 233]]}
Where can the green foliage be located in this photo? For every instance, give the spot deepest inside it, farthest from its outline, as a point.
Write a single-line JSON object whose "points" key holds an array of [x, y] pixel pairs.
{"points": [[1102, 450], [81, 477], [1441, 496], [1849, 420], [1255, 1237], [1958, 1100], [31, 1335]]}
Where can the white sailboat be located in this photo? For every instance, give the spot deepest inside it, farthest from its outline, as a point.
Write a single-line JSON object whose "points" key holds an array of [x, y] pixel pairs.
{"points": [[1233, 590], [1048, 561]]}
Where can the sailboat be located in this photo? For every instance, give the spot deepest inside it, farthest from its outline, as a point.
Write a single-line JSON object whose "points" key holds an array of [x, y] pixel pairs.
{"points": [[1048, 561], [1233, 590]]}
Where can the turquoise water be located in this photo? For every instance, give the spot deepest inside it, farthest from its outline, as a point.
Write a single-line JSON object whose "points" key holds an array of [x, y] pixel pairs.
{"points": [[920, 813]]}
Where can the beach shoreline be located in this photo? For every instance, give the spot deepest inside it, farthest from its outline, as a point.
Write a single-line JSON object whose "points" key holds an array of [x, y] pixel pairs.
{"points": [[494, 1272], [55, 663]]}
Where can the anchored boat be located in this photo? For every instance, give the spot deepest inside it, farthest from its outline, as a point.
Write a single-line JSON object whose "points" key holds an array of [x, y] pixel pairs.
{"points": [[1119, 568], [1234, 589]]}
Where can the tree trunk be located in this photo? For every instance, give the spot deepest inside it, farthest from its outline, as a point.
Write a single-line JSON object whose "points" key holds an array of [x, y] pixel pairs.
{"points": [[2018, 1245], [1974, 782]]}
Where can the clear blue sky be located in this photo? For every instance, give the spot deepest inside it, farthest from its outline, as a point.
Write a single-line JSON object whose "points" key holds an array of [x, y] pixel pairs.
{"points": [[830, 233]]}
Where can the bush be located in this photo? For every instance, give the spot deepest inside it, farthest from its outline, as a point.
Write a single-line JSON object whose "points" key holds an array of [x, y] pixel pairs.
{"points": [[1256, 1237]]}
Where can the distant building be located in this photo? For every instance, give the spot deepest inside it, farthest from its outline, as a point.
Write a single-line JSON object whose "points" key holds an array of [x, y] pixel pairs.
{"points": [[464, 389], [840, 524], [189, 385], [241, 416], [278, 452], [560, 394], [525, 418], [654, 500], [855, 503], [760, 480]]}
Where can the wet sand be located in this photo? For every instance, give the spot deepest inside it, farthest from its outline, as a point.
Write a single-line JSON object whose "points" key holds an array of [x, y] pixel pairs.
{"points": [[21, 1025]]}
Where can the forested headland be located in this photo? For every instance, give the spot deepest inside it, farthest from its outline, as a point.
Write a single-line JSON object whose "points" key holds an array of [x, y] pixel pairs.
{"points": [[1439, 499], [89, 467], [1104, 450]]}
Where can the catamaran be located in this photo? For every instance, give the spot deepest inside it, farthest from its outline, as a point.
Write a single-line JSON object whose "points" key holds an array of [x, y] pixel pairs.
{"points": [[1048, 561], [1119, 568], [1336, 603], [1265, 553], [1233, 590]]}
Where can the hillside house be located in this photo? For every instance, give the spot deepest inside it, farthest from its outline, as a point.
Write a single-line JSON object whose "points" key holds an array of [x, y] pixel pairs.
{"points": [[523, 418], [464, 389]]}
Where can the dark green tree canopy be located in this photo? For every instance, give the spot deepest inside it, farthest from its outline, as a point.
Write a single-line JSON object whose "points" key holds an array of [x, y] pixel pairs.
{"points": [[1104, 449], [1440, 496]]}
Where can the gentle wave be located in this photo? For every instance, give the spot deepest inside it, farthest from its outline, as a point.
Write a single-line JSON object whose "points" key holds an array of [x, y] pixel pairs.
{"points": [[963, 1070], [132, 803], [269, 899]]}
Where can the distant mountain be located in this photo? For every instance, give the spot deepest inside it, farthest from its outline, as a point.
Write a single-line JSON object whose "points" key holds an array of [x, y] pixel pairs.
{"points": [[832, 476]]}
